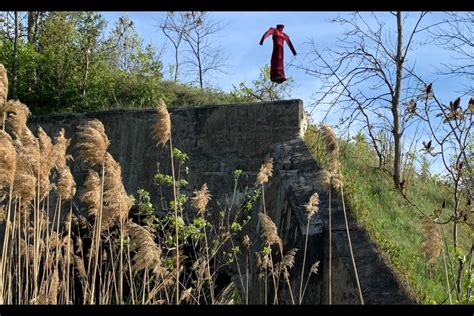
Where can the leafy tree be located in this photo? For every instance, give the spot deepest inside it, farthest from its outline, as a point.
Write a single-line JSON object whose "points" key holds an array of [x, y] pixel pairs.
{"points": [[263, 89]]}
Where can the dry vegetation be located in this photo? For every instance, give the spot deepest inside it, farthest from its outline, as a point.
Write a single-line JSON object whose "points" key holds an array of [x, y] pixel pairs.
{"points": [[116, 250]]}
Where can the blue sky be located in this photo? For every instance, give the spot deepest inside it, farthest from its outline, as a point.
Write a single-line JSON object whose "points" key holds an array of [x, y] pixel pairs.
{"points": [[242, 31]]}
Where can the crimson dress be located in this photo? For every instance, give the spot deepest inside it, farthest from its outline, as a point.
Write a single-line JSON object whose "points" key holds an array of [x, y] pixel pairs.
{"points": [[277, 71]]}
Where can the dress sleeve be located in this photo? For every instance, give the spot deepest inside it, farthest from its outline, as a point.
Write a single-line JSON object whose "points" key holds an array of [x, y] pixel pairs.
{"points": [[287, 39], [267, 34]]}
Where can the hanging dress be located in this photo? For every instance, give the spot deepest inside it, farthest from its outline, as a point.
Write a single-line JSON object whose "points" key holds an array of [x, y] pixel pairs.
{"points": [[277, 71]]}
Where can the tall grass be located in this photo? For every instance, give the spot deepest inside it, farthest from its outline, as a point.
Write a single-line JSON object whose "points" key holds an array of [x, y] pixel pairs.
{"points": [[410, 244], [117, 251], [113, 248]]}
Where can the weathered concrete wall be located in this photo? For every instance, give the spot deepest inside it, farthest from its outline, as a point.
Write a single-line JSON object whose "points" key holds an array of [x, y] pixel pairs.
{"points": [[220, 139]]}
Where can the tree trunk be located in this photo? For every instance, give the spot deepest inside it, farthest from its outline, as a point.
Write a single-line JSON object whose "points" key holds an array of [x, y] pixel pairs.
{"points": [[15, 57], [33, 17], [177, 64], [397, 133], [86, 74], [200, 75]]}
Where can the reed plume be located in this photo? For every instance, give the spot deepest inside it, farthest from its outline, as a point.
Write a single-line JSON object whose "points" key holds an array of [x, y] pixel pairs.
{"points": [[24, 184], [331, 173], [66, 184], [91, 193], [7, 160], [432, 241], [3, 86], [46, 162], [80, 268], [3, 95], [330, 140], [287, 262], [246, 242], [18, 117], [161, 130], [269, 231], [59, 155], [201, 198], [265, 171], [42, 298], [92, 142], [149, 253], [313, 205], [117, 203], [31, 147]]}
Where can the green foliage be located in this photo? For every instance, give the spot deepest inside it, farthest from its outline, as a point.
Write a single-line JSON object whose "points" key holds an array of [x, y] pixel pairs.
{"points": [[181, 199], [236, 227], [237, 173], [163, 179], [391, 222], [146, 209], [181, 156], [263, 89], [76, 66]]}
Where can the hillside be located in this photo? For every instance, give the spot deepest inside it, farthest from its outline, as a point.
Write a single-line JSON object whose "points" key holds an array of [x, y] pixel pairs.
{"points": [[395, 224]]}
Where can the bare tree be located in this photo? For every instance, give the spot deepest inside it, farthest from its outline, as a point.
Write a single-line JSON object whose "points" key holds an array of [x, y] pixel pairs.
{"points": [[367, 77], [175, 26], [456, 34], [206, 56], [449, 138]]}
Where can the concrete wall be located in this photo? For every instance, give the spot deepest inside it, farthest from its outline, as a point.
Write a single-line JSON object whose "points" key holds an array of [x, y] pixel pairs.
{"points": [[218, 140]]}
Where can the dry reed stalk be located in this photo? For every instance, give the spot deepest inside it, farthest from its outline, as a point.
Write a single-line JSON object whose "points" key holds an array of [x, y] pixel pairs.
{"points": [[350, 247], [287, 262], [200, 200], [312, 207]]}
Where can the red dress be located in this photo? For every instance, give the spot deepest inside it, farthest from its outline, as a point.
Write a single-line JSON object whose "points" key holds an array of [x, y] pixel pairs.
{"points": [[277, 71]]}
